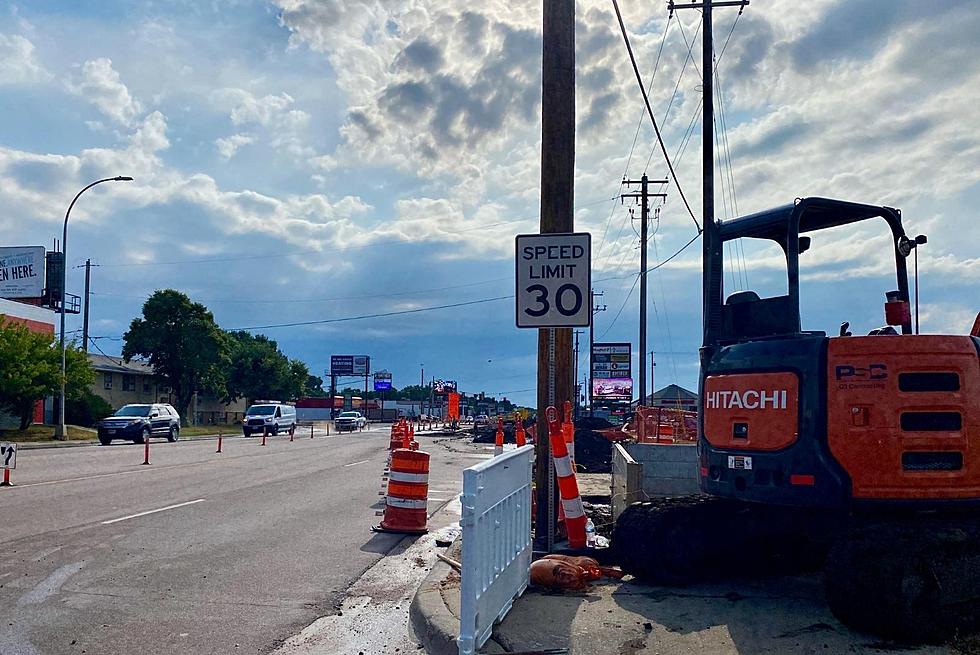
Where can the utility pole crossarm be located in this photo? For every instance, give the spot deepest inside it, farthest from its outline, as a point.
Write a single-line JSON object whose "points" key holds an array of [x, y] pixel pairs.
{"points": [[671, 6]]}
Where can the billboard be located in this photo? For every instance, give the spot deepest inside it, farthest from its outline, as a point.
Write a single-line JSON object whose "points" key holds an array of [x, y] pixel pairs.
{"points": [[612, 389], [350, 365], [382, 381], [612, 360], [442, 387], [22, 272]]}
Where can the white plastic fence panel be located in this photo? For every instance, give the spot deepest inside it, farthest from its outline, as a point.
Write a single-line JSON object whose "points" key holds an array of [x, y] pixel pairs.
{"points": [[496, 524]]}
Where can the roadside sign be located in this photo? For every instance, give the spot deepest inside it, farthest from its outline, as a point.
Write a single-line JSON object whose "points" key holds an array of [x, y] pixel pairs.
{"points": [[22, 272], [554, 279], [382, 381], [350, 364], [8, 455], [442, 387]]}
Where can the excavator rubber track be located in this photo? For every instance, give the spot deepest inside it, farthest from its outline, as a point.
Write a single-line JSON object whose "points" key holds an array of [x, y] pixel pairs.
{"points": [[909, 580], [688, 539]]}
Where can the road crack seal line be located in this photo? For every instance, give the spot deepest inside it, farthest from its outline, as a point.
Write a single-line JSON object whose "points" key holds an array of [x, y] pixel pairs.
{"points": [[50, 585]]}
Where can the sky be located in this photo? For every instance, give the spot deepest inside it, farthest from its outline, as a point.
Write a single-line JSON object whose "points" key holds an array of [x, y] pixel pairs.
{"points": [[312, 160]]}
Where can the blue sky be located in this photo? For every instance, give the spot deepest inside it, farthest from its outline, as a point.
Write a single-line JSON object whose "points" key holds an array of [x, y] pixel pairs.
{"points": [[303, 160]]}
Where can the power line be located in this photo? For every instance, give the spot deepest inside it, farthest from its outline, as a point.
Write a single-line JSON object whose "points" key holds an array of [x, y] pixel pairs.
{"points": [[636, 135], [421, 309], [677, 85], [313, 300], [381, 315], [621, 308], [653, 119]]}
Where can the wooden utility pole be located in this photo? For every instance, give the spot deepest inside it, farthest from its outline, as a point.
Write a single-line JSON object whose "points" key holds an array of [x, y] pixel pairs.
{"points": [[596, 308], [88, 298], [644, 197], [557, 205], [711, 244]]}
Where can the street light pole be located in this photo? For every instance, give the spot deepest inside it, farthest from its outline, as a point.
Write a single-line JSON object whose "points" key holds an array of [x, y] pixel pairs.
{"points": [[61, 432]]}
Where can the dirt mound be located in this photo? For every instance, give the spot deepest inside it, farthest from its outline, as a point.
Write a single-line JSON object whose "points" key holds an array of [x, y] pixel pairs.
{"points": [[593, 452]]}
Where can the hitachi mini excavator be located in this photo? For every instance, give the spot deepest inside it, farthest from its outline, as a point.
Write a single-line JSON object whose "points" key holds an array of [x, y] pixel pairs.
{"points": [[866, 447]]}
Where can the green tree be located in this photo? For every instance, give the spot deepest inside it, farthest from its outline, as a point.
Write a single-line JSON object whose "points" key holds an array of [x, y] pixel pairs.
{"points": [[415, 392], [88, 409], [31, 370], [314, 387], [183, 344], [257, 369]]}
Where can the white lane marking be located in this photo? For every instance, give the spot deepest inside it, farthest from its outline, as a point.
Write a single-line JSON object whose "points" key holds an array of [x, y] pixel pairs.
{"points": [[356, 463], [153, 511]]}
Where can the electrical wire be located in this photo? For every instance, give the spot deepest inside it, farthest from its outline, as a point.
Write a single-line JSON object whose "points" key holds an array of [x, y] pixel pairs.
{"points": [[366, 316], [653, 119], [621, 308], [419, 310], [316, 300]]}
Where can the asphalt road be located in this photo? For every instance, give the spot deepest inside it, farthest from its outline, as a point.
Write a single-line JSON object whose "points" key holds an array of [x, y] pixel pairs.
{"points": [[198, 552]]}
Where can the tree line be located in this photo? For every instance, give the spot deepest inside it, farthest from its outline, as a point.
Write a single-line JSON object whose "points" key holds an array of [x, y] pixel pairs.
{"points": [[189, 353]]}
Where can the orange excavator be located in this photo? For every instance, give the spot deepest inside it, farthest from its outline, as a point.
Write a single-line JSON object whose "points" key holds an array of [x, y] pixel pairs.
{"points": [[856, 453], [864, 446]]}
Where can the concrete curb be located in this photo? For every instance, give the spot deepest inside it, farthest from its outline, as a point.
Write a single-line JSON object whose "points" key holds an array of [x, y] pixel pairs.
{"points": [[433, 624]]}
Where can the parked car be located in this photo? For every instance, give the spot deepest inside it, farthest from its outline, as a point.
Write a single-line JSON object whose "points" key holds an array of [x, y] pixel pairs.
{"points": [[481, 421], [137, 423], [349, 421], [274, 417]]}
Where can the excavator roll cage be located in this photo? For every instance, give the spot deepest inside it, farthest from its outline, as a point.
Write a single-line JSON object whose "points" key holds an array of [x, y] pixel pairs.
{"points": [[745, 316]]}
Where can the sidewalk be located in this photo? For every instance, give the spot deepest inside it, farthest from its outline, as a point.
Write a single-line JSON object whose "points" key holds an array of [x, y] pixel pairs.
{"points": [[770, 615]]}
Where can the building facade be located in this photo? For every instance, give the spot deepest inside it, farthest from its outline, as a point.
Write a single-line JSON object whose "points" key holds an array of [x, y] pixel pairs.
{"points": [[123, 383]]}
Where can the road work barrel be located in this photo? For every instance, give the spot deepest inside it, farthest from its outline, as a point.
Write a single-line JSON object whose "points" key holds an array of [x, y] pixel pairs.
{"points": [[408, 490]]}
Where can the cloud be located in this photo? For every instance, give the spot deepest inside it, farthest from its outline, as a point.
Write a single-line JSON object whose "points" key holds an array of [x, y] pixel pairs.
{"points": [[284, 125], [245, 108], [99, 83], [228, 146], [18, 62]]}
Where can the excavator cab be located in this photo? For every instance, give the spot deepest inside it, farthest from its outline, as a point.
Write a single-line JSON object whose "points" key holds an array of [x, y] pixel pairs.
{"points": [[794, 417]]}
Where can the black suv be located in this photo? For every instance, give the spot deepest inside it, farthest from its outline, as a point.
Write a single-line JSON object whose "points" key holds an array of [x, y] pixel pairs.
{"points": [[137, 423]]}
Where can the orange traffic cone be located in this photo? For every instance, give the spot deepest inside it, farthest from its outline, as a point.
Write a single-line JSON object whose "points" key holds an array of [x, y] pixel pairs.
{"points": [[568, 431], [498, 442]]}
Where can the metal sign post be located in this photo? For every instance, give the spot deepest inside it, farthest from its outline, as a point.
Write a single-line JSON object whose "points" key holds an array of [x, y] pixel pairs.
{"points": [[553, 277], [551, 457]]}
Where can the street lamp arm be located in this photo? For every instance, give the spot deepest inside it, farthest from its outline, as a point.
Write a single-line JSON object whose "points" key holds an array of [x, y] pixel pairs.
{"points": [[118, 178], [61, 431]]}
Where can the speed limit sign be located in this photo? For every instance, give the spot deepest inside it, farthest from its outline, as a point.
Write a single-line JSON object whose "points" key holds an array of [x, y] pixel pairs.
{"points": [[554, 278]]}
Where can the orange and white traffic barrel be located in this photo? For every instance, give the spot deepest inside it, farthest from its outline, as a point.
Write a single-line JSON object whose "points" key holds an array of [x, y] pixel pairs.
{"points": [[571, 502], [406, 502], [399, 435], [498, 441]]}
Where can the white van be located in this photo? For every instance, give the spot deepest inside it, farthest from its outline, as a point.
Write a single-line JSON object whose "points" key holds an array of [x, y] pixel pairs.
{"points": [[273, 416]]}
